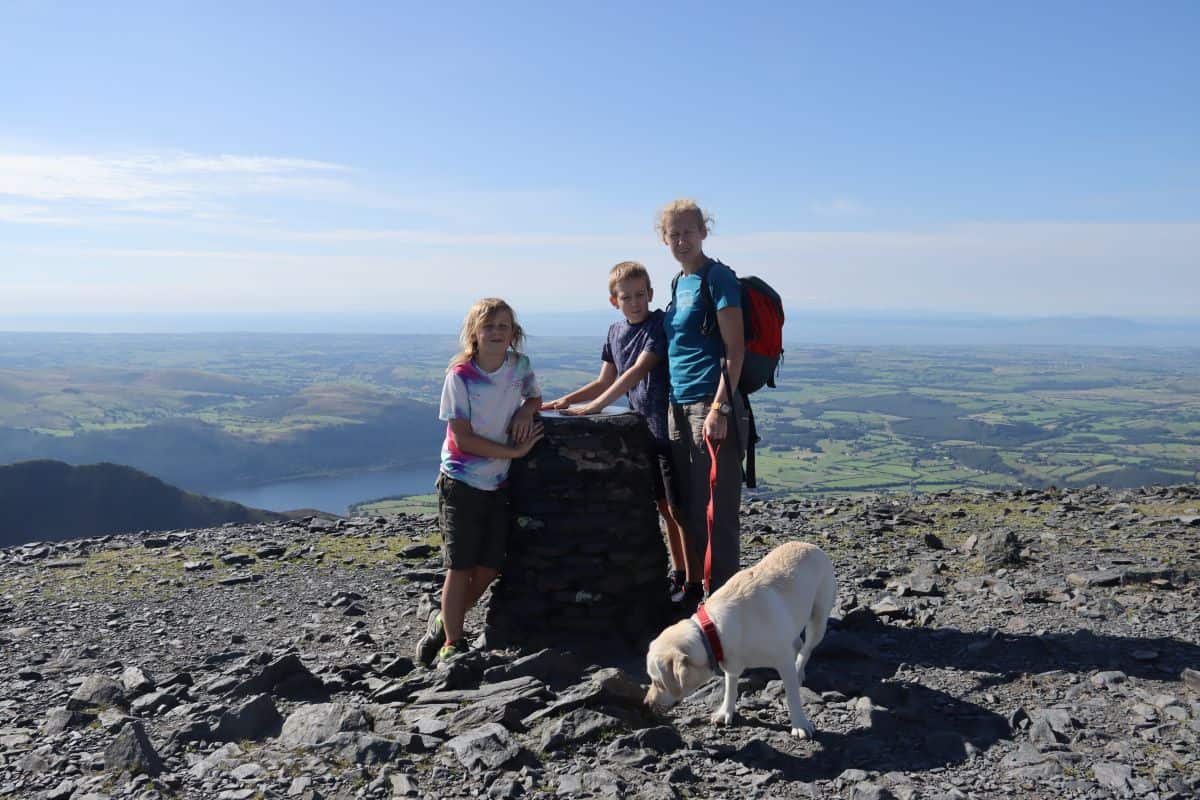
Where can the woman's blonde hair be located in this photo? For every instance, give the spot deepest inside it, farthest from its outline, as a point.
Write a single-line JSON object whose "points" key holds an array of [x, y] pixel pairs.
{"points": [[684, 205], [480, 313]]}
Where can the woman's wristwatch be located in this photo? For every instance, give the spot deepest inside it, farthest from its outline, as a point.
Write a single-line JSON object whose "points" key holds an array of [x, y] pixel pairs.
{"points": [[724, 409]]}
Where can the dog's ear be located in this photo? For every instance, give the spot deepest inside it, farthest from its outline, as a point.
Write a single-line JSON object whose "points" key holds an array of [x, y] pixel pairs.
{"points": [[678, 672]]}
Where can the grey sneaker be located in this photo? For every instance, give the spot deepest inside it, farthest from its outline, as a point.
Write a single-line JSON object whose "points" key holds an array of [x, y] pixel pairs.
{"points": [[432, 641]]}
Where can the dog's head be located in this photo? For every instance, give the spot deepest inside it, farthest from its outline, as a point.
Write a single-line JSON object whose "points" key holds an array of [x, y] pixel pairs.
{"points": [[675, 670]]}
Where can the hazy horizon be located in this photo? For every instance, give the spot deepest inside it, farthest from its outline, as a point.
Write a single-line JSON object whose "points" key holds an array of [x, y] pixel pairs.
{"points": [[804, 327]]}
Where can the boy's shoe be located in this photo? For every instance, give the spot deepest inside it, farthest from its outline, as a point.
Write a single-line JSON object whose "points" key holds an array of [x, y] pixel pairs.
{"points": [[675, 582], [693, 595], [432, 641], [452, 649]]}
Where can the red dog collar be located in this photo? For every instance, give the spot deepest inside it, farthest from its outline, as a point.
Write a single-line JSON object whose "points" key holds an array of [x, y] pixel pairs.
{"points": [[708, 634]]}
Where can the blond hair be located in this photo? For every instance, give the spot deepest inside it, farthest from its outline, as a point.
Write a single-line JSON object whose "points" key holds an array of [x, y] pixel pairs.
{"points": [[626, 270], [684, 205], [476, 318]]}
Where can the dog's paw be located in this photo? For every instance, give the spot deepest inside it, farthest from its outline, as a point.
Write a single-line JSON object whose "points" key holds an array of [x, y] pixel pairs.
{"points": [[722, 717], [807, 731]]}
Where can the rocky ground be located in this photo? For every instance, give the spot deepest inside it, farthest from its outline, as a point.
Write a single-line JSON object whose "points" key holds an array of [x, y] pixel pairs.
{"points": [[1034, 644]]}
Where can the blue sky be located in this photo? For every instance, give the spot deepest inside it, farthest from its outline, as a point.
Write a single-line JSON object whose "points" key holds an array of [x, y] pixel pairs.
{"points": [[1019, 158]]}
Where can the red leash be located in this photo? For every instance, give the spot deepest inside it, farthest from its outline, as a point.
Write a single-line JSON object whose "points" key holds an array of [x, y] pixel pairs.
{"points": [[712, 491]]}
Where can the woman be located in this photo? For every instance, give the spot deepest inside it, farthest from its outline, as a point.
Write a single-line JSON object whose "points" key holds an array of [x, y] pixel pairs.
{"points": [[705, 350]]}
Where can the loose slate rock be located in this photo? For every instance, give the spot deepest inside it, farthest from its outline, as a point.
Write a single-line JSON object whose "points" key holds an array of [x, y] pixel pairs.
{"points": [[997, 548], [1113, 776], [131, 751], [285, 676], [581, 725], [489, 746], [254, 719], [313, 724], [136, 681], [97, 692]]}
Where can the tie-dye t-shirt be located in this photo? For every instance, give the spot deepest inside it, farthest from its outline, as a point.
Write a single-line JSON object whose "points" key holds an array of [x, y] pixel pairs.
{"points": [[488, 401]]}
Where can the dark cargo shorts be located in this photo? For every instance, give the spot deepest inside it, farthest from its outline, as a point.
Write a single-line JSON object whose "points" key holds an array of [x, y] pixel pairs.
{"points": [[666, 484], [474, 524]]}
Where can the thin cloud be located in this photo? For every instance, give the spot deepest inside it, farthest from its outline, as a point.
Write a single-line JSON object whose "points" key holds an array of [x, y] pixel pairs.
{"points": [[841, 207], [145, 177]]}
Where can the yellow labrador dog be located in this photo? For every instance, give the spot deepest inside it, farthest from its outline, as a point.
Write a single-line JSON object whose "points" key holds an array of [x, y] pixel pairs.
{"points": [[758, 617]]}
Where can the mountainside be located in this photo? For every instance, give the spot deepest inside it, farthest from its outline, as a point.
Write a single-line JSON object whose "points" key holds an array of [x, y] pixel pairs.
{"points": [[53, 500], [1027, 644]]}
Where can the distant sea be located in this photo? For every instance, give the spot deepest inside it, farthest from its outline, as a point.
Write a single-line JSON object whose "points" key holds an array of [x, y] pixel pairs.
{"points": [[334, 494]]}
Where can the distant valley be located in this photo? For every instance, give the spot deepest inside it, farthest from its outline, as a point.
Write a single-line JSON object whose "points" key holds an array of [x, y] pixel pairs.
{"points": [[214, 411]]}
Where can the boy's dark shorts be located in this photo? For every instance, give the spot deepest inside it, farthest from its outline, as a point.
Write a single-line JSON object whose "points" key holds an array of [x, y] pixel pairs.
{"points": [[666, 485], [474, 524]]}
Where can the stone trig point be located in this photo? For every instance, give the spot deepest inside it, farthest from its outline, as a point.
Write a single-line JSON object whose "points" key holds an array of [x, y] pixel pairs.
{"points": [[586, 562]]}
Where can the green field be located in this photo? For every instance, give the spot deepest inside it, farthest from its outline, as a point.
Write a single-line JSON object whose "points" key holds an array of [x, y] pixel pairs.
{"points": [[843, 419]]}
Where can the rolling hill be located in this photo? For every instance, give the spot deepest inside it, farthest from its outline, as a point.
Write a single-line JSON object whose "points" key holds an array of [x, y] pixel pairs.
{"points": [[52, 500]]}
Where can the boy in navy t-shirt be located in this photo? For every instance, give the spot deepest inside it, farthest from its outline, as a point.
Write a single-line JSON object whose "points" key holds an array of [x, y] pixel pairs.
{"points": [[634, 363]]}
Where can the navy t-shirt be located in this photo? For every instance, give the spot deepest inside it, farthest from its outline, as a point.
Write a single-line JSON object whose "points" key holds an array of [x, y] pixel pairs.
{"points": [[625, 343]]}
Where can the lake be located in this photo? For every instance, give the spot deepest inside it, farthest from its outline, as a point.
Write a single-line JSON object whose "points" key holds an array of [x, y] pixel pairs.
{"points": [[334, 494]]}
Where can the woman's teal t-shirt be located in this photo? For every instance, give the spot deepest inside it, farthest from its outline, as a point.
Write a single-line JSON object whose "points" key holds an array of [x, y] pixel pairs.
{"points": [[693, 358]]}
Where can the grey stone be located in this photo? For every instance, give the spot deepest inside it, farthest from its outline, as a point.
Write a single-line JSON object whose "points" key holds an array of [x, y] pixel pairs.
{"points": [[313, 724], [131, 751], [507, 711], [368, 748], [661, 739], [402, 785], [506, 788], [489, 746], [606, 687], [63, 719], [1041, 733], [286, 676], [1112, 775], [998, 548], [214, 760], [546, 665], [518, 687], [153, 703], [136, 681], [113, 719], [252, 719], [97, 692], [1108, 678], [62, 791], [1191, 679], [1041, 771], [870, 791], [1059, 719], [580, 725], [1090, 578]]}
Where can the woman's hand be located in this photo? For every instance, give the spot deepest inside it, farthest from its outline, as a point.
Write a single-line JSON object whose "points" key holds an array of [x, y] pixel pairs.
{"points": [[522, 425], [716, 425], [556, 405]]}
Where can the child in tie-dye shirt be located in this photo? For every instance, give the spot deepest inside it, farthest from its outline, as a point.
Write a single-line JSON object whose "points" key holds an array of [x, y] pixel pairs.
{"points": [[489, 400]]}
